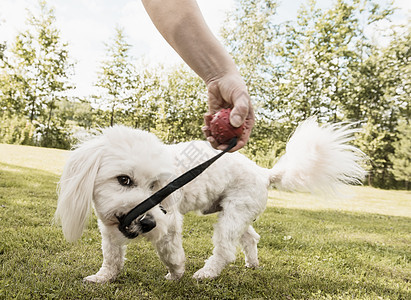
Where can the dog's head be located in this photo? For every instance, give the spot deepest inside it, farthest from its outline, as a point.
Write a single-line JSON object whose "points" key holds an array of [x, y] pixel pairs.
{"points": [[114, 172]]}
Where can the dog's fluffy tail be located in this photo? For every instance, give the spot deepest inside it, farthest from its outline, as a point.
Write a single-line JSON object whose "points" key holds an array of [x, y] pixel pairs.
{"points": [[319, 159]]}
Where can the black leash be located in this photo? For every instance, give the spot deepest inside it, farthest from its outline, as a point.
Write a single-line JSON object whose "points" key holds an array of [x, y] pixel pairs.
{"points": [[160, 195]]}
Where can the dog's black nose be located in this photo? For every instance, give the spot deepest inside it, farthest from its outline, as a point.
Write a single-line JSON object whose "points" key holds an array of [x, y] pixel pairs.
{"points": [[147, 223]]}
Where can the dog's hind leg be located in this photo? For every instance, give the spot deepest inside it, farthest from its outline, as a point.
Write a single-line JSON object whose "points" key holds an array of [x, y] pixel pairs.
{"points": [[249, 242], [232, 224]]}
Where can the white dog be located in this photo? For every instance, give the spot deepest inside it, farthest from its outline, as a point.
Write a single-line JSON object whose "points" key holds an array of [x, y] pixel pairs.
{"points": [[122, 167]]}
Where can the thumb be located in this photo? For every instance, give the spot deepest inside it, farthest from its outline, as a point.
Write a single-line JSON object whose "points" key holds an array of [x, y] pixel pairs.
{"points": [[240, 111]]}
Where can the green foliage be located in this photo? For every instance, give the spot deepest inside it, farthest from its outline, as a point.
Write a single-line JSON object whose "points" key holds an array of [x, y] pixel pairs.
{"points": [[116, 77], [38, 66], [267, 142], [2, 48], [322, 65], [144, 105], [320, 54], [402, 153], [76, 114], [55, 136], [250, 35], [377, 144], [36, 75], [170, 103], [16, 130], [181, 107], [19, 130], [380, 96]]}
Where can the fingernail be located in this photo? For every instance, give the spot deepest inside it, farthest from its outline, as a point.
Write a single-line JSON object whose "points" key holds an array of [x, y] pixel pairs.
{"points": [[236, 120]]}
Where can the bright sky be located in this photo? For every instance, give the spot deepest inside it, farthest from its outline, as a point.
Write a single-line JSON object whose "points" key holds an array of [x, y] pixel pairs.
{"points": [[87, 24]]}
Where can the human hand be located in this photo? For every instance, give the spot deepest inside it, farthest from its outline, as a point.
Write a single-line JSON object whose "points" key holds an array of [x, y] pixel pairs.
{"points": [[229, 91]]}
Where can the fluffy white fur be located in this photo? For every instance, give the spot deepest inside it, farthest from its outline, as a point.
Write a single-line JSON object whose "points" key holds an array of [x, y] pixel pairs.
{"points": [[317, 159]]}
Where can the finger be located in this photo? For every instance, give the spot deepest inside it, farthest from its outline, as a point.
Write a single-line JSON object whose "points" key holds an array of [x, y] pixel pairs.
{"points": [[206, 131], [240, 110], [214, 143], [248, 126], [242, 141], [206, 128], [207, 118]]}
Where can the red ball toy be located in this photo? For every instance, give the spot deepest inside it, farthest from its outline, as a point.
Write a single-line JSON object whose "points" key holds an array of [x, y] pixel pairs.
{"points": [[221, 129]]}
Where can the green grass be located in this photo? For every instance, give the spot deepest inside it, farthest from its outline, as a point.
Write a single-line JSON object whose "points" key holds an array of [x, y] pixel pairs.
{"points": [[310, 248]]}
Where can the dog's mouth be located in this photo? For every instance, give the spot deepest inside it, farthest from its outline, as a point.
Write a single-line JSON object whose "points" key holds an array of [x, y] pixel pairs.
{"points": [[141, 225]]}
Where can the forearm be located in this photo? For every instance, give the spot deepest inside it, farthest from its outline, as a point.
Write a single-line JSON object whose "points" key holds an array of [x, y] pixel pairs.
{"points": [[181, 23]]}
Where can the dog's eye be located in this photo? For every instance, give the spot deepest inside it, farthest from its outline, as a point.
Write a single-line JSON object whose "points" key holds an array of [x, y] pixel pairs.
{"points": [[125, 180]]}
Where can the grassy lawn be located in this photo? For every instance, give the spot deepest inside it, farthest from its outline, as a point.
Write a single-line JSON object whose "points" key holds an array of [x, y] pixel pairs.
{"points": [[310, 248]]}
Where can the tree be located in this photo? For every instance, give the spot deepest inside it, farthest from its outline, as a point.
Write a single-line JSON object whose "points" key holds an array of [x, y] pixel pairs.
{"points": [[37, 71], [252, 38], [181, 106], [320, 54], [116, 78], [401, 157], [2, 48], [380, 97], [77, 113], [250, 35], [146, 94], [322, 65]]}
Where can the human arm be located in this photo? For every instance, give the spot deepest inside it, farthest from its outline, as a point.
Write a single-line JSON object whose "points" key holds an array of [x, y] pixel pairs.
{"points": [[181, 23]]}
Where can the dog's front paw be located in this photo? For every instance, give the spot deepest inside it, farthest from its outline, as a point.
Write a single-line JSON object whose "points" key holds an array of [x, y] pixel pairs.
{"points": [[252, 265], [176, 276], [205, 273], [97, 279]]}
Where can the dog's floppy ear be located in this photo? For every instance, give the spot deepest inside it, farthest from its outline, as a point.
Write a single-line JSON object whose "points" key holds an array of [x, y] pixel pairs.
{"points": [[76, 189]]}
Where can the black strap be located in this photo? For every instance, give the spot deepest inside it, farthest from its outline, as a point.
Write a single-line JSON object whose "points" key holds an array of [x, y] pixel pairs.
{"points": [[160, 195]]}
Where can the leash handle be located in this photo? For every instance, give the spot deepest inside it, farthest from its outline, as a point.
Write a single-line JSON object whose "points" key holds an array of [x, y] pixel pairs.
{"points": [[160, 195]]}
